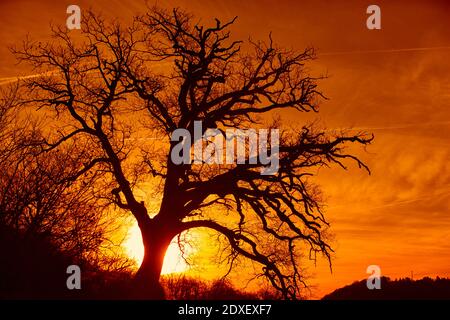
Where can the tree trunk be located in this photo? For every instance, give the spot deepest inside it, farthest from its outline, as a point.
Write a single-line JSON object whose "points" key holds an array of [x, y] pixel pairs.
{"points": [[156, 241]]}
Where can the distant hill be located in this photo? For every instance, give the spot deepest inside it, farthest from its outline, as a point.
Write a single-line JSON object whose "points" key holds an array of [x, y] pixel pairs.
{"points": [[399, 289]]}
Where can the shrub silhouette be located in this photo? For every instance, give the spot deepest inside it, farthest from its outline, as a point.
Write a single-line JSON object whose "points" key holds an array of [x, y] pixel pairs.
{"points": [[182, 287]]}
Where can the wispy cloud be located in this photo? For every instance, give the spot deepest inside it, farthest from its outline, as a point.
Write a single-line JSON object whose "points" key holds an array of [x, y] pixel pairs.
{"points": [[418, 49]]}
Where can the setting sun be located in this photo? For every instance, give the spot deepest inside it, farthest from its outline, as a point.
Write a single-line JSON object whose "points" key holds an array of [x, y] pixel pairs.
{"points": [[173, 261]]}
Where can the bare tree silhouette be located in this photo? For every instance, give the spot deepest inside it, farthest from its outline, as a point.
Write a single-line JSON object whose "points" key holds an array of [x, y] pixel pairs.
{"points": [[109, 84], [40, 196]]}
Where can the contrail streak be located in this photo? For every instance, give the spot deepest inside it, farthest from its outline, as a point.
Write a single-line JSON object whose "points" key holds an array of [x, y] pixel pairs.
{"points": [[444, 191], [7, 80], [418, 49], [400, 126]]}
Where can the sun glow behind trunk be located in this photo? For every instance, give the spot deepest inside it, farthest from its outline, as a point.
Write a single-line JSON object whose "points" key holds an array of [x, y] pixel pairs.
{"points": [[173, 260]]}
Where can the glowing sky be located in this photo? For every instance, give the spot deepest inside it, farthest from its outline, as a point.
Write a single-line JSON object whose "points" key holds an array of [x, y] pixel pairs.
{"points": [[397, 218]]}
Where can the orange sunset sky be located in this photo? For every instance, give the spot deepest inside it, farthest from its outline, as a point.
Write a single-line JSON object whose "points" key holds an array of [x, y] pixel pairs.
{"points": [[393, 82]]}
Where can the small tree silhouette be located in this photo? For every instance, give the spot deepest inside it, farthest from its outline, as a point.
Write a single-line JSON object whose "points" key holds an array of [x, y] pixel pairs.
{"points": [[40, 196], [110, 85]]}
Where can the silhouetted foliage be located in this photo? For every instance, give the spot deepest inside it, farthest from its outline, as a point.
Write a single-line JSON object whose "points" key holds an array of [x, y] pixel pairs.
{"points": [[181, 287]]}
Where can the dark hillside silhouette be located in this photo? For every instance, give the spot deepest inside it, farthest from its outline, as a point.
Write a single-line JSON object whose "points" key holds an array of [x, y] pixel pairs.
{"points": [[401, 289], [32, 267]]}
